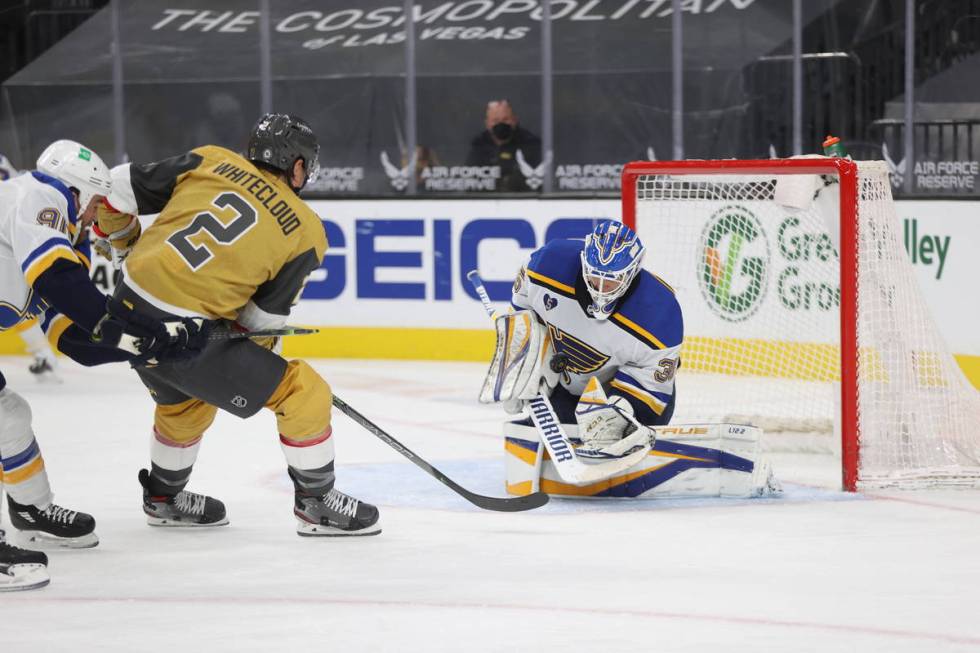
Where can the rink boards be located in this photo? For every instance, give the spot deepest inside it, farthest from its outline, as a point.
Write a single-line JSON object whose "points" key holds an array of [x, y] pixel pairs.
{"points": [[393, 285]]}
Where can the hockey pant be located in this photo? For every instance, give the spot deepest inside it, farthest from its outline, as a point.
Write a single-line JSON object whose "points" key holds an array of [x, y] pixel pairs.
{"points": [[242, 378]]}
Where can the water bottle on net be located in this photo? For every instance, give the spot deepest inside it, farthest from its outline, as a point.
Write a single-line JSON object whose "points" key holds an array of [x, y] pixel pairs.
{"points": [[832, 146]]}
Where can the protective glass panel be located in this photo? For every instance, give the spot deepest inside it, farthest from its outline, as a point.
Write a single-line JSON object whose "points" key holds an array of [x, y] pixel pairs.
{"points": [[612, 92], [479, 98]]}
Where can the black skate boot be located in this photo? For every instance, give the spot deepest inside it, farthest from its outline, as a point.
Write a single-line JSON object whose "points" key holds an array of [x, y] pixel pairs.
{"points": [[181, 509], [334, 514], [53, 526], [43, 370], [21, 569]]}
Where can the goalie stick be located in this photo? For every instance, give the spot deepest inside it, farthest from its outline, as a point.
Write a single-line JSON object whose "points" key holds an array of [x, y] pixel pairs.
{"points": [[567, 464], [512, 504]]}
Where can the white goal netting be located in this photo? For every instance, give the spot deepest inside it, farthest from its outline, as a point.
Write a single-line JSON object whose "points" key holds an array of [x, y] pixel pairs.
{"points": [[759, 282]]}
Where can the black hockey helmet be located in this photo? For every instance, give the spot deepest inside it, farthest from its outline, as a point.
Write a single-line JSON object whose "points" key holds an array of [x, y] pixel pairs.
{"points": [[278, 139]]}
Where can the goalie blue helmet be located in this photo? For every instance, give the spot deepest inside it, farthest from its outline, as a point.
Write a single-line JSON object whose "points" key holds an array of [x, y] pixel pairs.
{"points": [[611, 260]]}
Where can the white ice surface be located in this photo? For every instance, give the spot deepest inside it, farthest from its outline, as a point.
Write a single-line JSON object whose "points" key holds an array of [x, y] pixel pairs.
{"points": [[817, 570]]}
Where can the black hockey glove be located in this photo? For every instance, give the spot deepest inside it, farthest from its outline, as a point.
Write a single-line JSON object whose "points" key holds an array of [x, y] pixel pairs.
{"points": [[150, 340], [188, 338]]}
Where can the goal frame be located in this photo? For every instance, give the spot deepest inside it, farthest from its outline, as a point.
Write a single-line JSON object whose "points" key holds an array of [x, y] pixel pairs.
{"points": [[847, 173]]}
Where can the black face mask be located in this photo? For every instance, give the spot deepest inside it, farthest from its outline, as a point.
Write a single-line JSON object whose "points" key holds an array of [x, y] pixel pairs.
{"points": [[502, 131]]}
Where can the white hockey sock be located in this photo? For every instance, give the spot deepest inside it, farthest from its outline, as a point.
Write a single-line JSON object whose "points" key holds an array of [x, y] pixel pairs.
{"points": [[37, 342], [172, 455], [310, 461], [313, 453]]}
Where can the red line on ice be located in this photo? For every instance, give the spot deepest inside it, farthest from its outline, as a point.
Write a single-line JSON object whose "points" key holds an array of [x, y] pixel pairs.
{"points": [[650, 614]]}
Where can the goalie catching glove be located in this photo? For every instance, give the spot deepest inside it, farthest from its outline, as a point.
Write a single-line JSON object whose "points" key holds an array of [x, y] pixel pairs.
{"points": [[607, 427], [116, 233]]}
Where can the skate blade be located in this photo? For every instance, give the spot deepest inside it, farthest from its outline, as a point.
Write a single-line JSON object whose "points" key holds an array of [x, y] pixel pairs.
{"points": [[171, 523], [42, 541], [306, 529], [19, 578]]}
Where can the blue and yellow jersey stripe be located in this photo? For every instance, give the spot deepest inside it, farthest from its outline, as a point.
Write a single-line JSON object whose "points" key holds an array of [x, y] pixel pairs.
{"points": [[637, 331], [650, 313], [552, 284], [629, 386], [44, 256]]}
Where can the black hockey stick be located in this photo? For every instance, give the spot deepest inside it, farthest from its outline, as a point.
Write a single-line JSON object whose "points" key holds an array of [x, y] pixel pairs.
{"points": [[261, 333], [512, 504]]}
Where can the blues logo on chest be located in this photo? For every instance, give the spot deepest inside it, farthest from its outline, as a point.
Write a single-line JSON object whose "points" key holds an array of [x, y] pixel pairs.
{"points": [[582, 358]]}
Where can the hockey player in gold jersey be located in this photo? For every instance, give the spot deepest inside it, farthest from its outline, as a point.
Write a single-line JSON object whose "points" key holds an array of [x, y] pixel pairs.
{"points": [[233, 242]]}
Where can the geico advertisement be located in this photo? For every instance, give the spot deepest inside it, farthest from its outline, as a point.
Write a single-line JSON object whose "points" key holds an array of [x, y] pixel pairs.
{"points": [[396, 263]]}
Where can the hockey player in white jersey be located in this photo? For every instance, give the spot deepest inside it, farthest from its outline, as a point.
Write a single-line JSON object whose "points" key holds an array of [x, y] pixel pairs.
{"points": [[44, 367], [43, 217]]}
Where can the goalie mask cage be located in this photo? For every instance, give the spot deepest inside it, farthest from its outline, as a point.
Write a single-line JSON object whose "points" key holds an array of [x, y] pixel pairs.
{"points": [[802, 313]]}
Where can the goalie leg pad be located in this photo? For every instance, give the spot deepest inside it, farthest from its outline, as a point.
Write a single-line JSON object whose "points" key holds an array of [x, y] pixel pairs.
{"points": [[524, 455], [690, 460]]}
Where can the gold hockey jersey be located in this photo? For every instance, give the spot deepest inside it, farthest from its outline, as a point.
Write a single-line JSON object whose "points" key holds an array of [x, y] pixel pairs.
{"points": [[231, 240]]}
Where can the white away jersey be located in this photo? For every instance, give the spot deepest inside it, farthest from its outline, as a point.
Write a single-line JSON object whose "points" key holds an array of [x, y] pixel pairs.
{"points": [[633, 353], [35, 214]]}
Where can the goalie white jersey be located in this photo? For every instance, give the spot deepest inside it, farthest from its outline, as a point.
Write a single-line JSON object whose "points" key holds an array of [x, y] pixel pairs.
{"points": [[634, 353]]}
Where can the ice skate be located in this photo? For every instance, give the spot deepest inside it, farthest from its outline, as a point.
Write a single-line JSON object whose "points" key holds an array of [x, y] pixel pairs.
{"points": [[334, 514], [44, 370], [52, 527], [184, 509], [21, 569]]}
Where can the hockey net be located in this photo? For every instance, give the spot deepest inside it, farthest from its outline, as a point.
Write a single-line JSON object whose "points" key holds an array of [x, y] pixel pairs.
{"points": [[802, 314]]}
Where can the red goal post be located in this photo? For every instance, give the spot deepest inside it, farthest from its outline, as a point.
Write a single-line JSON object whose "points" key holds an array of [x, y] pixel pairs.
{"points": [[676, 205]]}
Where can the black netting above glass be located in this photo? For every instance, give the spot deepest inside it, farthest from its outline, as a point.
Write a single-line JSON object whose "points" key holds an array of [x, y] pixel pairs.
{"points": [[193, 75]]}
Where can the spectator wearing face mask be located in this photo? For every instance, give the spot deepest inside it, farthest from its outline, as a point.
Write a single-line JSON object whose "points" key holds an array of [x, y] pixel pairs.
{"points": [[498, 143]]}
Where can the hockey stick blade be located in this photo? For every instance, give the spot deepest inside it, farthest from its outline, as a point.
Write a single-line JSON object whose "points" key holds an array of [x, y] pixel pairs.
{"points": [[261, 333], [500, 504]]}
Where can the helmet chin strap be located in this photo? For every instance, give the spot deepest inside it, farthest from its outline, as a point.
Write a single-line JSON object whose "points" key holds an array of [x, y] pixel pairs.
{"points": [[306, 177]]}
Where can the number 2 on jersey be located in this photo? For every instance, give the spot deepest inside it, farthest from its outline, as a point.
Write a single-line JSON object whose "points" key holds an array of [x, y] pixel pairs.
{"points": [[223, 234]]}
